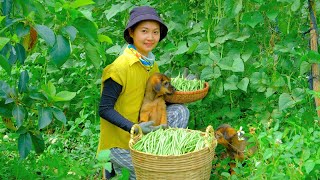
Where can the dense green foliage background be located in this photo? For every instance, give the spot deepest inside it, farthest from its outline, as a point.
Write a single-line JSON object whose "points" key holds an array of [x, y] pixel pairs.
{"points": [[255, 54]]}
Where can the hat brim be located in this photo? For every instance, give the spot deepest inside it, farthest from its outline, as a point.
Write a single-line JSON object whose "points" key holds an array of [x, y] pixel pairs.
{"points": [[144, 17]]}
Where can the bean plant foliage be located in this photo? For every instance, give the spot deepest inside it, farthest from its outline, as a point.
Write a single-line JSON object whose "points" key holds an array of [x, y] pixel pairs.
{"points": [[254, 54]]}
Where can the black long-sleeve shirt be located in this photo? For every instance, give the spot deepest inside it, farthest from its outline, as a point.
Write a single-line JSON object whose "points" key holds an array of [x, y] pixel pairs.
{"points": [[109, 96]]}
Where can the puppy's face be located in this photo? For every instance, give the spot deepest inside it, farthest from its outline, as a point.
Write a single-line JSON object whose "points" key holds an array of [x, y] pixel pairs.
{"points": [[161, 84]]}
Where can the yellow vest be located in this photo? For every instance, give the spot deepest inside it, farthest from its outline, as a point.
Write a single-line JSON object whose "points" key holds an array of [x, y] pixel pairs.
{"points": [[130, 73]]}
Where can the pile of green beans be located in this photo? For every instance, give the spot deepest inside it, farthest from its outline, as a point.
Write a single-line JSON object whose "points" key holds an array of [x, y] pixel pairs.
{"points": [[171, 141], [183, 84]]}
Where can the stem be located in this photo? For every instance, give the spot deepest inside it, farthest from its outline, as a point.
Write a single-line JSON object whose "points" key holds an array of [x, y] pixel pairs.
{"points": [[289, 21]]}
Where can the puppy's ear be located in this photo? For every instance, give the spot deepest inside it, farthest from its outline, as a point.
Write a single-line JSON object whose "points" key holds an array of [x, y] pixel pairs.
{"points": [[157, 86]]}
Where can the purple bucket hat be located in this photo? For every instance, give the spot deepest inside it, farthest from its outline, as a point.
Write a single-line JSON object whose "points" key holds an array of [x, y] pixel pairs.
{"points": [[142, 13]]}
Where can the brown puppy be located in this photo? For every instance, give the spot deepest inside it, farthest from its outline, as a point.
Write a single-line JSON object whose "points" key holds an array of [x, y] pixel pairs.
{"points": [[235, 145], [153, 105]]}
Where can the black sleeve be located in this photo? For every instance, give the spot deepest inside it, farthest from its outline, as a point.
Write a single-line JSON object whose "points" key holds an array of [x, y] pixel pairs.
{"points": [[109, 96]]}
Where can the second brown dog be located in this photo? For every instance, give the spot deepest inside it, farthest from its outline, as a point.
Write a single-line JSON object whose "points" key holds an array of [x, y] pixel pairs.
{"points": [[153, 105], [235, 145]]}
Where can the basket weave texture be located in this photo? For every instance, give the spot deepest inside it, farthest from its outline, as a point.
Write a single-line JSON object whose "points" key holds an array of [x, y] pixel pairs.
{"points": [[193, 165], [187, 96]]}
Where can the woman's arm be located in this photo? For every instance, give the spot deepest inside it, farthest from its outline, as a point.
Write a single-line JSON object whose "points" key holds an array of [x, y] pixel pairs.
{"points": [[109, 96]]}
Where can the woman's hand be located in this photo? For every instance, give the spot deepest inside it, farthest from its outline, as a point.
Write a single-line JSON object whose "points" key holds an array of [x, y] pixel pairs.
{"points": [[147, 127]]}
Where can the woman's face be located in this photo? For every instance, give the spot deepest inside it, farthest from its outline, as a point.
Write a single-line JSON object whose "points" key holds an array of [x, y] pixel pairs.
{"points": [[146, 36]]}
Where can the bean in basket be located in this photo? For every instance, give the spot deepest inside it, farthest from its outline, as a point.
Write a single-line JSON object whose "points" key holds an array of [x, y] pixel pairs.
{"points": [[171, 141], [184, 84]]}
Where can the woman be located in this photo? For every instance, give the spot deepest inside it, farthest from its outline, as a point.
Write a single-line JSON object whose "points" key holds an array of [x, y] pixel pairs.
{"points": [[123, 87]]}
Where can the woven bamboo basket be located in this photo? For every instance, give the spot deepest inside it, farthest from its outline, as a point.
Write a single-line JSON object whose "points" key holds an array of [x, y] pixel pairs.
{"points": [[187, 96], [194, 165]]}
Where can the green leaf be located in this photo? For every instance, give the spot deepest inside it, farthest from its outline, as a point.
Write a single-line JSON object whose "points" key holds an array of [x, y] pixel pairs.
{"points": [[207, 73], [5, 64], [59, 115], [231, 83], [311, 57], [71, 31], [80, 3], [238, 65], [87, 29], [305, 67], [306, 154], [45, 116], [225, 174], [226, 63], [252, 18], [115, 9], [272, 14], [103, 155], [46, 33], [49, 89], [21, 53], [203, 48], [295, 5], [38, 143], [309, 165], [269, 92], [64, 96], [115, 50], [22, 30], [298, 94], [24, 145], [237, 7], [243, 84], [223, 39], [216, 72], [3, 41], [93, 54], [23, 81], [267, 153], [19, 114], [242, 38], [108, 166], [37, 96], [182, 48], [196, 28], [6, 7], [1, 19], [191, 49], [218, 88], [104, 38], [60, 51], [285, 101], [246, 55]]}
